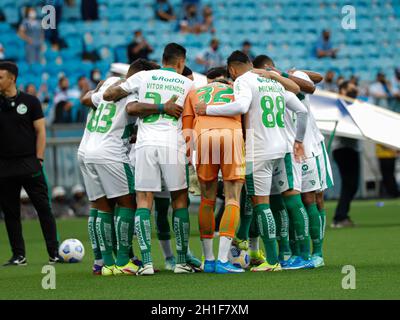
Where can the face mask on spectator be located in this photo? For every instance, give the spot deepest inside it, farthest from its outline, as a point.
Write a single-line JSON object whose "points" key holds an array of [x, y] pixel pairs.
{"points": [[352, 94]]}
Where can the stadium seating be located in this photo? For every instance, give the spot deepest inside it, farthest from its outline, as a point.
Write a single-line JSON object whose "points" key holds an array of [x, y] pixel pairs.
{"points": [[285, 29]]}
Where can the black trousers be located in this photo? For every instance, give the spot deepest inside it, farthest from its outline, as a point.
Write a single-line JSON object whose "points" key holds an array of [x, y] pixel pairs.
{"points": [[36, 188], [387, 167], [348, 161]]}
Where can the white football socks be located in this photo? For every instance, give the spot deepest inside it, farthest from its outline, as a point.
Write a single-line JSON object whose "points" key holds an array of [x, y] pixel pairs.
{"points": [[208, 252], [224, 247]]}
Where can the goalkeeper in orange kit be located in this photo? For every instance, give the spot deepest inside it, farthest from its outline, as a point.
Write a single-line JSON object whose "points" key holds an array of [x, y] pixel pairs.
{"points": [[220, 146]]}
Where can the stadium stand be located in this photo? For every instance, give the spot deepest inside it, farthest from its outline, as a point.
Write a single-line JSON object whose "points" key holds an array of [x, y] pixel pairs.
{"points": [[286, 29]]}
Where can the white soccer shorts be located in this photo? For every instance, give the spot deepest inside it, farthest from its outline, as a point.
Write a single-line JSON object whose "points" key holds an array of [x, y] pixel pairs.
{"points": [[259, 177], [311, 175], [111, 180], [286, 175], [154, 163]]}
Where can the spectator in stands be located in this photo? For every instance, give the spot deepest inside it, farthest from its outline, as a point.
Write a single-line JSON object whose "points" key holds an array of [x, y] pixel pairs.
{"points": [[210, 57], [89, 10], [190, 22], [324, 47], [42, 94], [83, 86], [387, 163], [328, 83], [206, 24], [59, 203], [81, 112], [339, 81], [354, 80], [346, 154], [246, 48], [30, 30], [31, 89], [380, 91], [62, 105], [95, 78], [139, 47], [163, 10], [28, 211], [2, 52], [80, 203]]}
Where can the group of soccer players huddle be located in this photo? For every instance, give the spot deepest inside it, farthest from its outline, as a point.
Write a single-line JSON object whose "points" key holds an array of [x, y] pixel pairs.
{"points": [[258, 132]]}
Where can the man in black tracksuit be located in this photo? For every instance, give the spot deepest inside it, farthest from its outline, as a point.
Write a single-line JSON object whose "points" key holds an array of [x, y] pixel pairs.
{"points": [[22, 147]]}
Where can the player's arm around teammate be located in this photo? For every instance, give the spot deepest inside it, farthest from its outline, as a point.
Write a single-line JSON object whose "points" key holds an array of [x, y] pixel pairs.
{"points": [[159, 153]]}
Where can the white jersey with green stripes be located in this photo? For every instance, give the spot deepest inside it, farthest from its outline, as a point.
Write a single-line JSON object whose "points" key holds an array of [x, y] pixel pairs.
{"points": [[157, 87], [264, 121], [110, 129], [313, 138]]}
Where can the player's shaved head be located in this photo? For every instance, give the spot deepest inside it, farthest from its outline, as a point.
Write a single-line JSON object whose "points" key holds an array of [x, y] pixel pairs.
{"points": [[141, 65], [262, 61], [238, 64], [174, 56]]}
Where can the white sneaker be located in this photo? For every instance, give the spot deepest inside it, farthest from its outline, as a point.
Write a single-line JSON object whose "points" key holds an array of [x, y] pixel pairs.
{"points": [[183, 268], [146, 270]]}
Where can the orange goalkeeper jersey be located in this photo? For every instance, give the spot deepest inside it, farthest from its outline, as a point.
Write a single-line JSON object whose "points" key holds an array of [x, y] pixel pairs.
{"points": [[215, 93]]}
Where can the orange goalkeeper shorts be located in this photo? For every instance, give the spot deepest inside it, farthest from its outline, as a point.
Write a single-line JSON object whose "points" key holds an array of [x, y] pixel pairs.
{"points": [[220, 149]]}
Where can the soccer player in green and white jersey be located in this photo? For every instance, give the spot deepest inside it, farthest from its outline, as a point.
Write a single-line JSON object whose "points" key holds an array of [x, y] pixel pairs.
{"points": [[317, 172], [109, 177], [310, 168], [98, 259], [160, 150], [263, 101]]}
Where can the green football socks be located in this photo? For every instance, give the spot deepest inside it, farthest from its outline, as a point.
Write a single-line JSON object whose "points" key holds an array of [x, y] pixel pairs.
{"points": [[282, 226], [298, 214], [143, 233], [246, 217], [267, 229], [181, 223], [315, 228], [124, 230], [94, 241], [105, 234]]}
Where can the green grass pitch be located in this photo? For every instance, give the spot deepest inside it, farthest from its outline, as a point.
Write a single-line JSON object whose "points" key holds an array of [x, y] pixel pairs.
{"points": [[372, 248]]}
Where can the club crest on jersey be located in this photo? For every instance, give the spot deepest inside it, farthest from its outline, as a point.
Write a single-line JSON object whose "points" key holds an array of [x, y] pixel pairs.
{"points": [[304, 167], [22, 109]]}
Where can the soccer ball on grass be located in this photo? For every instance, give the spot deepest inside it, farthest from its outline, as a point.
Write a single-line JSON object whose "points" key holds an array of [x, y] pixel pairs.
{"points": [[239, 258], [71, 250]]}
